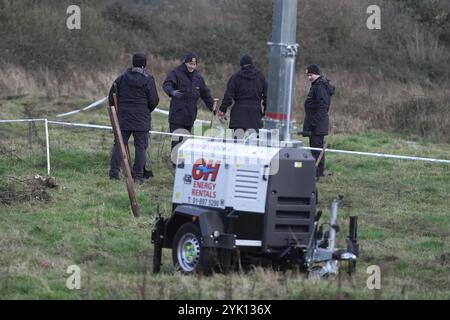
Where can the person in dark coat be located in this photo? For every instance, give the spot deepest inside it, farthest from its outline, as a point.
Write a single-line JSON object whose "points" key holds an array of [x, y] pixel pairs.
{"points": [[317, 105], [247, 89], [137, 98], [185, 86]]}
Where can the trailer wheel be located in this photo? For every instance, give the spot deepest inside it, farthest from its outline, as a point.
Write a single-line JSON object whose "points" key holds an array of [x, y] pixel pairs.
{"points": [[316, 273], [188, 254]]}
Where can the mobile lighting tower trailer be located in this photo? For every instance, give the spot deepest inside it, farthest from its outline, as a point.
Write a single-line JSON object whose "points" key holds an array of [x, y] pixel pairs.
{"points": [[238, 204]]}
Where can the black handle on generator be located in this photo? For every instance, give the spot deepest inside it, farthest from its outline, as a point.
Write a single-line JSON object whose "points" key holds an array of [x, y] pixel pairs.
{"points": [[265, 178]]}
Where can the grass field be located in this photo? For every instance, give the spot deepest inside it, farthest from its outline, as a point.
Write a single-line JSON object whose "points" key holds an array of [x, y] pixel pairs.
{"points": [[403, 209]]}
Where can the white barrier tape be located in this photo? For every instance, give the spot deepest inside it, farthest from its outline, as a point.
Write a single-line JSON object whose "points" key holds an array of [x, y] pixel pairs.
{"points": [[101, 101], [81, 125], [380, 155], [202, 121], [370, 154], [162, 111], [21, 120], [167, 113], [96, 126], [91, 106]]}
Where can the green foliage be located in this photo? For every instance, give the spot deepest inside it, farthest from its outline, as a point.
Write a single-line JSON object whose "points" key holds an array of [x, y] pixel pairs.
{"points": [[420, 115], [34, 35], [434, 13], [330, 33]]}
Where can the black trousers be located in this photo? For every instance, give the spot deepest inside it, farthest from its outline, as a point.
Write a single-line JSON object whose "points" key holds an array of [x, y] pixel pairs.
{"points": [[173, 128], [318, 142], [140, 147]]}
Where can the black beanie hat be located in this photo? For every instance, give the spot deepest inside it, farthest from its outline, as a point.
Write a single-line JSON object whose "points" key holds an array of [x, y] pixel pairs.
{"points": [[246, 59], [191, 57], [314, 69], [139, 60]]}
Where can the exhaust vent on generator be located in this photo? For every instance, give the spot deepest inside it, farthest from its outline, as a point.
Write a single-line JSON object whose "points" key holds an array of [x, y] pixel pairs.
{"points": [[293, 214], [246, 186], [294, 200], [291, 228]]}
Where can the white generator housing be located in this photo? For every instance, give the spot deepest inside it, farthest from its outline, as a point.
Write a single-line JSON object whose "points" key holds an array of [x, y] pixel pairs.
{"points": [[224, 175]]}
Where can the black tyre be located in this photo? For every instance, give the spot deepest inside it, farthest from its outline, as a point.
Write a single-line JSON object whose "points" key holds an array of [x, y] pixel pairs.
{"points": [[188, 254]]}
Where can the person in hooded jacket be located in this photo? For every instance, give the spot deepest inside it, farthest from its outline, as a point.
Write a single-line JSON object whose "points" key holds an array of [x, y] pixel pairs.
{"points": [[185, 86], [317, 105], [137, 98], [247, 89]]}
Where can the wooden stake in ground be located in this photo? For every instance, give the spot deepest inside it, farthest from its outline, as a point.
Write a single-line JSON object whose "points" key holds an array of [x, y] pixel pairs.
{"points": [[116, 104], [213, 112], [321, 154], [125, 163]]}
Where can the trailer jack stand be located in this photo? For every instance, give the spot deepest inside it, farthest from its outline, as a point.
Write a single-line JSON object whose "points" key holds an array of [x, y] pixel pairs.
{"points": [[157, 240]]}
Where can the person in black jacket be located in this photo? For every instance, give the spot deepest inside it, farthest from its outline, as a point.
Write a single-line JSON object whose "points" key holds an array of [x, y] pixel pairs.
{"points": [[247, 89], [185, 86], [137, 98], [317, 105]]}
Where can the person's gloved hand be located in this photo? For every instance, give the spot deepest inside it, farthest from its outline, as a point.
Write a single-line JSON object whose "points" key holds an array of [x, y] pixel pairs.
{"points": [[177, 94]]}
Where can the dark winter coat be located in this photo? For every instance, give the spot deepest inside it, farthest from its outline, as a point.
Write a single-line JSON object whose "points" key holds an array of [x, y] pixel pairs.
{"points": [[137, 98], [248, 90], [183, 111], [317, 106]]}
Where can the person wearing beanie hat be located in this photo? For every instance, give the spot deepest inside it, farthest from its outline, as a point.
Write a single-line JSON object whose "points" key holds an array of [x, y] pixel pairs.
{"points": [[191, 57], [247, 92], [137, 97], [317, 106], [139, 60], [185, 86], [313, 69], [246, 60]]}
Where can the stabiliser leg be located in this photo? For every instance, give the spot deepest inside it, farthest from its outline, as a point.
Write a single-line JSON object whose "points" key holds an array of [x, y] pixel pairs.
{"points": [[157, 240]]}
